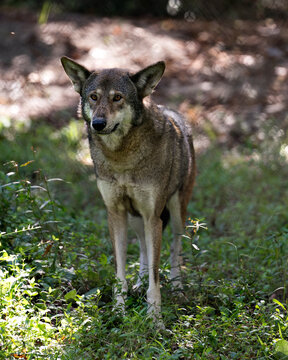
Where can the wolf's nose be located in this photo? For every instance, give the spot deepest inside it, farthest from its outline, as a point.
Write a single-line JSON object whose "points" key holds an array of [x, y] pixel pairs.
{"points": [[99, 123]]}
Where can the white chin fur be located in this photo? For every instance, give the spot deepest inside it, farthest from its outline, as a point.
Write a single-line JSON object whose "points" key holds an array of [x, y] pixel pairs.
{"points": [[114, 139]]}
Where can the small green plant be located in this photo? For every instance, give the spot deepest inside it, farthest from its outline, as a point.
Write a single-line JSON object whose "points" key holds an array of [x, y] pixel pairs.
{"points": [[193, 230]]}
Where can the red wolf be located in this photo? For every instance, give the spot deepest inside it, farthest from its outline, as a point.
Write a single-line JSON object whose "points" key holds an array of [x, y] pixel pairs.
{"points": [[144, 163]]}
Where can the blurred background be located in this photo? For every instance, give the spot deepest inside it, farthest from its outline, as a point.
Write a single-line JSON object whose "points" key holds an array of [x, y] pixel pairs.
{"points": [[227, 71], [226, 59]]}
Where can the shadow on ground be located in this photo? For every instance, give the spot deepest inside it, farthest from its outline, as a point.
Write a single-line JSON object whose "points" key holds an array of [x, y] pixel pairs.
{"points": [[229, 77]]}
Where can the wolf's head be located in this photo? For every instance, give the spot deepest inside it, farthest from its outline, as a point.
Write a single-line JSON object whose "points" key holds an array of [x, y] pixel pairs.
{"points": [[112, 99]]}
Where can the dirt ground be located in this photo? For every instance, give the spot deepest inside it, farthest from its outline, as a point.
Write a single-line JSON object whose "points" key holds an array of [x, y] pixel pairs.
{"points": [[229, 76]]}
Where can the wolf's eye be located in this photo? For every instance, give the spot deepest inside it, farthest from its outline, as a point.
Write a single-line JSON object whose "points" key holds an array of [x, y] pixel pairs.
{"points": [[93, 97], [117, 97]]}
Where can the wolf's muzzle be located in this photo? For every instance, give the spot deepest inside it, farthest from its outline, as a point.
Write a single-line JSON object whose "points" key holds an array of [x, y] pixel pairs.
{"points": [[99, 123]]}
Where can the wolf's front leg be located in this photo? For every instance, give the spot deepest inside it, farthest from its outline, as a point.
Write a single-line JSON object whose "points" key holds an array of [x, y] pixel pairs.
{"points": [[118, 232], [153, 237]]}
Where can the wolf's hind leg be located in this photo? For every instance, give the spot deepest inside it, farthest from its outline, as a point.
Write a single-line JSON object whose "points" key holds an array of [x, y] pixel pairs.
{"points": [[174, 207], [118, 232], [137, 225]]}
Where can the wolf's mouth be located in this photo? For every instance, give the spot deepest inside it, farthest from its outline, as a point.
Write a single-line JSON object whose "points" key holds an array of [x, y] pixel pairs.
{"points": [[109, 131]]}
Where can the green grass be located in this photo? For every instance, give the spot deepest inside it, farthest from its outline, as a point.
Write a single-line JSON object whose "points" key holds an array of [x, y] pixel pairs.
{"points": [[56, 264]]}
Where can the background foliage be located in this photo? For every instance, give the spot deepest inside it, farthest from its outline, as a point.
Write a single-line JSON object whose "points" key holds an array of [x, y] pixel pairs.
{"points": [[201, 8], [57, 268]]}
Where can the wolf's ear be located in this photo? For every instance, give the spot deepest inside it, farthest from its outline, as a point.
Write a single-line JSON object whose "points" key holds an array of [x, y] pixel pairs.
{"points": [[147, 79], [76, 72]]}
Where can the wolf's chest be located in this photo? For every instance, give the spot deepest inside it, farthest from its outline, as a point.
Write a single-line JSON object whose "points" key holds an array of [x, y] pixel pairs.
{"points": [[122, 194]]}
